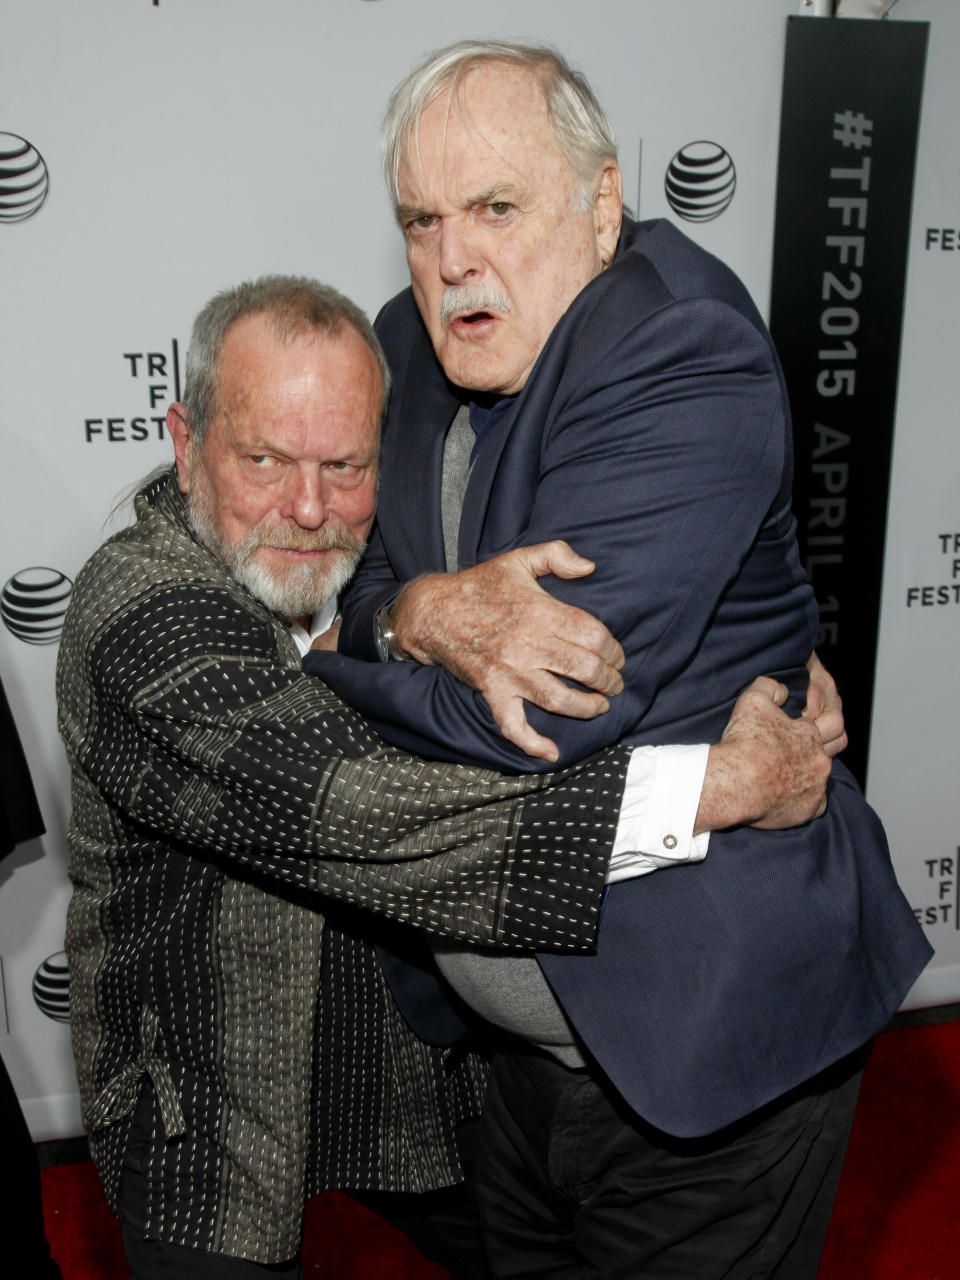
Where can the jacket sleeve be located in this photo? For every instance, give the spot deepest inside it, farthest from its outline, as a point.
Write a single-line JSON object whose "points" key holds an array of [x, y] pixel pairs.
{"points": [[230, 753], [373, 587], [382, 573], [662, 454]]}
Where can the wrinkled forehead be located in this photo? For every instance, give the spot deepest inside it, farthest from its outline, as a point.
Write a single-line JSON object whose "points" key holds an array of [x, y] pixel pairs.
{"points": [[491, 111], [288, 370]]}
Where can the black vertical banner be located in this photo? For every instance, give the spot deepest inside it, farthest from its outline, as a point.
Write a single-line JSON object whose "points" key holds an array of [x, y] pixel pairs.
{"points": [[848, 138]]}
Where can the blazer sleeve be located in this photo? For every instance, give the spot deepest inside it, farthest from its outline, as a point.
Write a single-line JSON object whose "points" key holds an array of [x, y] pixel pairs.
{"points": [[419, 390], [662, 453], [373, 587]]}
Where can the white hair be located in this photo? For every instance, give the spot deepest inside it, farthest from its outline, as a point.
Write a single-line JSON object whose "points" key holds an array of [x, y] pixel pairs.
{"points": [[581, 128]]}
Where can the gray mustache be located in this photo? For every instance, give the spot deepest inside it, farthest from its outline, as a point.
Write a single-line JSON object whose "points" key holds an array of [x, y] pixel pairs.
{"points": [[466, 297], [328, 538]]}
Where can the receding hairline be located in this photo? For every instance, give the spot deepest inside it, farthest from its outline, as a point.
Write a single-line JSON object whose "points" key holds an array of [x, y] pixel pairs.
{"points": [[287, 329], [455, 88], [583, 135], [291, 306]]}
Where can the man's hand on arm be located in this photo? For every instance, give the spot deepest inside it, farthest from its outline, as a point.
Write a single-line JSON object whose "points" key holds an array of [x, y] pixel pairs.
{"points": [[498, 631], [768, 770]]}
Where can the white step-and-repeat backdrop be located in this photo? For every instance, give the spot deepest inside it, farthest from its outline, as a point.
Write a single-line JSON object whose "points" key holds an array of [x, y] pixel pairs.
{"points": [[154, 151]]}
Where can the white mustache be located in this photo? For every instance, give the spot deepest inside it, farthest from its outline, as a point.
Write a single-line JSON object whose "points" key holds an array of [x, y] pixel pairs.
{"points": [[463, 298]]}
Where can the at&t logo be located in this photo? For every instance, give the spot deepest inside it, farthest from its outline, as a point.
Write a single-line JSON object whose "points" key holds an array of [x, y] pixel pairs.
{"points": [[700, 181], [24, 181], [33, 602], [51, 987]]}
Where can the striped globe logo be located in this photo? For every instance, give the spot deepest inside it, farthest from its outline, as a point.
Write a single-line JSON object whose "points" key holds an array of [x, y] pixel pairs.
{"points": [[51, 987], [700, 181], [33, 602], [24, 181]]}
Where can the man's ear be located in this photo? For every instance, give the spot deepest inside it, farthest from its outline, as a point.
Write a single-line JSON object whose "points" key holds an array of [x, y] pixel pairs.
{"points": [[608, 211], [181, 430]]}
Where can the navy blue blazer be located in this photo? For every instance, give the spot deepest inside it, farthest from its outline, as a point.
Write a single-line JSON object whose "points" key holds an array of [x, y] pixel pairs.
{"points": [[654, 435]]}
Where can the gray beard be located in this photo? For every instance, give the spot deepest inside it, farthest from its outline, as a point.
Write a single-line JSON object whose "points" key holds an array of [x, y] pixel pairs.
{"points": [[296, 592]]}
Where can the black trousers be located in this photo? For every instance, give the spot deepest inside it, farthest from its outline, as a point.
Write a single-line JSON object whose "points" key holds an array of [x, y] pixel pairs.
{"points": [[443, 1225], [572, 1184]]}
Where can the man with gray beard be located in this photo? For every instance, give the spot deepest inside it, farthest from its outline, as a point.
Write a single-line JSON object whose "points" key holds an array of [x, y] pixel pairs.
{"points": [[294, 592], [236, 1049], [295, 560]]}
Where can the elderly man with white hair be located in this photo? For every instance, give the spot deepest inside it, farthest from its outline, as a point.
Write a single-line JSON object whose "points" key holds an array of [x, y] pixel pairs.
{"points": [[676, 1105]]}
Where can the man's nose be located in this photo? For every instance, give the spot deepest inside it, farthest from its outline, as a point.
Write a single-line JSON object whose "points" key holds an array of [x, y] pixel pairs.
{"points": [[306, 498], [460, 259]]}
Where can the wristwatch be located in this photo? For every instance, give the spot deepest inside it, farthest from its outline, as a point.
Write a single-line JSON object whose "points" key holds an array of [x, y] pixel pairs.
{"points": [[385, 639]]}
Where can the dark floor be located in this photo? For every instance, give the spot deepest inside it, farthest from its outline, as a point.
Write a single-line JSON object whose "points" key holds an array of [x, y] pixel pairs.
{"points": [[62, 1151], [72, 1150], [920, 1017]]}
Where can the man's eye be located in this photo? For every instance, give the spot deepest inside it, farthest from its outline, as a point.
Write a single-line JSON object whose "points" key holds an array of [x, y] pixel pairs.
{"points": [[500, 208], [422, 223], [263, 461], [346, 475]]}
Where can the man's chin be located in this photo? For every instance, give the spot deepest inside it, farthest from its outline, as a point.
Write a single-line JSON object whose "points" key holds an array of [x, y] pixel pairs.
{"points": [[472, 367], [297, 590]]}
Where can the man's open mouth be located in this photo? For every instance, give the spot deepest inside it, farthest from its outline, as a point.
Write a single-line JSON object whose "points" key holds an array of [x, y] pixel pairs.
{"points": [[471, 318]]}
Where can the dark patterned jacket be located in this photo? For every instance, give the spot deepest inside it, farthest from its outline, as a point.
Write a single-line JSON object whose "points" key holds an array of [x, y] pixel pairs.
{"points": [[218, 795]]}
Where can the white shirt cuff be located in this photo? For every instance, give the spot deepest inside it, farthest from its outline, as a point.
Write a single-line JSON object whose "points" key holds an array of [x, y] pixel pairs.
{"points": [[658, 811]]}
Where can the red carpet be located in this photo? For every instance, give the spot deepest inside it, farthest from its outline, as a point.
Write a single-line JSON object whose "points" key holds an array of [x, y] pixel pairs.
{"points": [[897, 1215]]}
